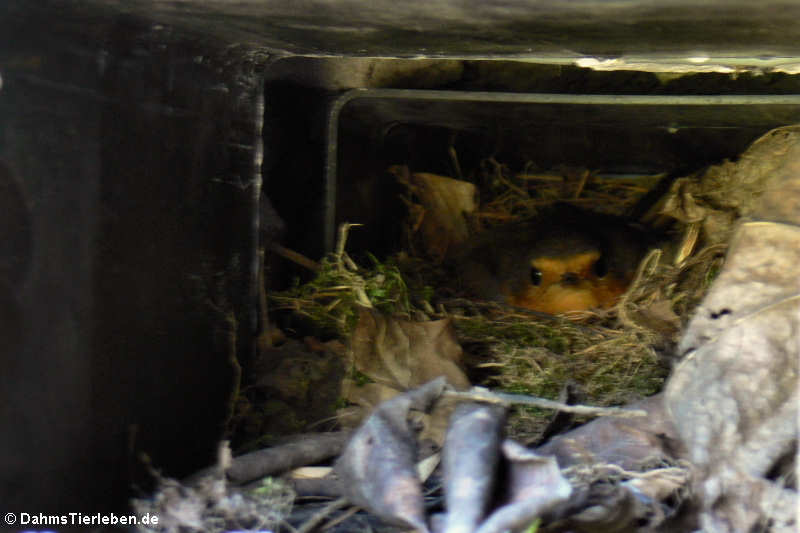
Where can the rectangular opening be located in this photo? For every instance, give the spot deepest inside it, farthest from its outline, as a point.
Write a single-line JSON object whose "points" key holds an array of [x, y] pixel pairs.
{"points": [[370, 130]]}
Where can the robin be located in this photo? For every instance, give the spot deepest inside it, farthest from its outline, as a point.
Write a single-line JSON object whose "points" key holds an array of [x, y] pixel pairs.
{"points": [[568, 260]]}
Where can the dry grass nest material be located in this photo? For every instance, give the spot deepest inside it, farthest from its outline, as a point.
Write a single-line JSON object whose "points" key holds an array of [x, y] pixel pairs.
{"points": [[615, 356]]}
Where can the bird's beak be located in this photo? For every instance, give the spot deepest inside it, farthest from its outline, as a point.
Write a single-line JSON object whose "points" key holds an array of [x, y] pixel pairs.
{"points": [[569, 279]]}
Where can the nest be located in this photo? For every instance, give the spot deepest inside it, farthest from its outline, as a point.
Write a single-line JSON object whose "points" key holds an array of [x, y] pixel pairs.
{"points": [[614, 356]]}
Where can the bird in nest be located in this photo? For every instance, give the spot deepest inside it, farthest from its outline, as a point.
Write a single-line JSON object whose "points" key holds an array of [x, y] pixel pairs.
{"points": [[565, 260]]}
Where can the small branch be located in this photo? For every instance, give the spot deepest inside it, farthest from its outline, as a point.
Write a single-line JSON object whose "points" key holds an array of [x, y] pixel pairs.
{"points": [[688, 243], [341, 518], [553, 178], [294, 257], [305, 450], [454, 158], [309, 450], [312, 523], [329, 487], [581, 184], [484, 395], [344, 229]]}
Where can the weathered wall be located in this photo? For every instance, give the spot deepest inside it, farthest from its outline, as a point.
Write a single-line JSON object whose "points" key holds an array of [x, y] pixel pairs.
{"points": [[132, 180]]}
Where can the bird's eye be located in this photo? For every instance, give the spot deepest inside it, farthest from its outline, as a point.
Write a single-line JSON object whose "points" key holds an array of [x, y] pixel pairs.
{"points": [[536, 276], [600, 267]]}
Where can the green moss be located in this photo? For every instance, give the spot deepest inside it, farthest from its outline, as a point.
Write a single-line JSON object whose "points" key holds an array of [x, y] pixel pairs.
{"points": [[537, 357], [386, 288], [515, 332], [360, 379], [522, 353], [332, 299], [534, 527], [340, 403], [267, 487], [711, 274]]}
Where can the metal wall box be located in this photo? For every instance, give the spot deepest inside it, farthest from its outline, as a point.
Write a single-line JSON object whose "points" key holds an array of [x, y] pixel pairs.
{"points": [[369, 130]]}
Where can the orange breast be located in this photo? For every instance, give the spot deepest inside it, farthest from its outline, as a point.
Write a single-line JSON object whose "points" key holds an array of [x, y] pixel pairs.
{"points": [[564, 260], [566, 283]]}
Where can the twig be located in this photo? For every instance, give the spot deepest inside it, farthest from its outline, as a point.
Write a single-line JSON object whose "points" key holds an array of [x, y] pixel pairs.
{"points": [[496, 216], [645, 269], [322, 515], [498, 168], [341, 518], [454, 156], [288, 526], [329, 487], [556, 178], [294, 257], [581, 184], [483, 395], [688, 243], [348, 268], [307, 449], [344, 229]]}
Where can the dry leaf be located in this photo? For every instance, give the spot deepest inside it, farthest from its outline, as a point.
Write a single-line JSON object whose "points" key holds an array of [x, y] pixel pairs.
{"points": [[444, 203], [377, 467], [626, 442], [471, 454], [735, 397], [659, 317], [368, 395], [398, 355], [725, 192], [535, 486], [403, 354]]}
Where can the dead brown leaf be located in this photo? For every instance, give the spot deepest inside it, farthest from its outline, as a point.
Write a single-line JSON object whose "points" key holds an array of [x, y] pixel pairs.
{"points": [[402, 354], [725, 192], [734, 398], [378, 466], [470, 458], [439, 216], [398, 355], [629, 443], [659, 317], [535, 486]]}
